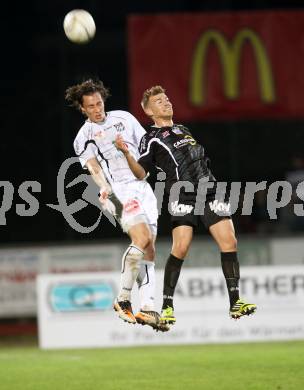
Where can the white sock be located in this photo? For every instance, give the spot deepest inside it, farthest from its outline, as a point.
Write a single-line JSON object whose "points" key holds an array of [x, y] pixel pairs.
{"points": [[146, 285], [129, 271]]}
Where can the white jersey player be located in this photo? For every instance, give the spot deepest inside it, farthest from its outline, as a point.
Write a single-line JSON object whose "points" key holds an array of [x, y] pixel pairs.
{"points": [[95, 147], [97, 141]]}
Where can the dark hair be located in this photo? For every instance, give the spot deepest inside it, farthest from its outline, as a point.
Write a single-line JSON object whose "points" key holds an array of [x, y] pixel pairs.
{"points": [[155, 90], [75, 93]]}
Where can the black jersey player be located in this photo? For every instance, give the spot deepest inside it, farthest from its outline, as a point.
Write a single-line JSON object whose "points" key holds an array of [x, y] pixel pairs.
{"points": [[173, 149]]}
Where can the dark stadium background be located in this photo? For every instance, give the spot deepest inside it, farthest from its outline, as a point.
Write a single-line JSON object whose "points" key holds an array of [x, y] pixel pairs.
{"points": [[37, 127]]}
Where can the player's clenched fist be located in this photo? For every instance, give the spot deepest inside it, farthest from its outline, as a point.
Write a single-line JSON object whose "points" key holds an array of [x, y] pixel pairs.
{"points": [[120, 144]]}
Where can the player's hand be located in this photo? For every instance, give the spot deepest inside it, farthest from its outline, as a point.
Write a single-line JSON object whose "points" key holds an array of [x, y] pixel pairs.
{"points": [[103, 196], [120, 144]]}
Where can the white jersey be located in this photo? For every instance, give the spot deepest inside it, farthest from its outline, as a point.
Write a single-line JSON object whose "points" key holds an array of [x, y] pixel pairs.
{"points": [[97, 140]]}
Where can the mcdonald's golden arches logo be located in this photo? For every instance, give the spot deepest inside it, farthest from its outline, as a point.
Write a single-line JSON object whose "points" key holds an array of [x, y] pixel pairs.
{"points": [[230, 54]]}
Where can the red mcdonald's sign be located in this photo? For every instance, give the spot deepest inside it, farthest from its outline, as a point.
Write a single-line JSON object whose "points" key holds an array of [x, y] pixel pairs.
{"points": [[220, 65]]}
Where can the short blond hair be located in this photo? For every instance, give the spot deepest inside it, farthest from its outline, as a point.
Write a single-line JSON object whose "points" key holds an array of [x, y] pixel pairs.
{"points": [[155, 90]]}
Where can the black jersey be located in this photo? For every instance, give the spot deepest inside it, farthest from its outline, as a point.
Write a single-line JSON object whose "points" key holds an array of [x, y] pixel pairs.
{"points": [[177, 153]]}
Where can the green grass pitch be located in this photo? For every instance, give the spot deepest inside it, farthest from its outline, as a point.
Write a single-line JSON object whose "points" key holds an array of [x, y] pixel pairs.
{"points": [[267, 366]]}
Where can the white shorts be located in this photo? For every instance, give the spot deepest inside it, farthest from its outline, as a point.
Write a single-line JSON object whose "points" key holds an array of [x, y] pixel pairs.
{"points": [[140, 204]]}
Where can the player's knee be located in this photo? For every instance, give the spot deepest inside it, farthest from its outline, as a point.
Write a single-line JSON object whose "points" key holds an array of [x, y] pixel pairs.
{"points": [[229, 244], [180, 249], [143, 240]]}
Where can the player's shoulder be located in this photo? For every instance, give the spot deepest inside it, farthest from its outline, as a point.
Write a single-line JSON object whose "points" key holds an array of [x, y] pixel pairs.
{"points": [[84, 131], [81, 138], [178, 128]]}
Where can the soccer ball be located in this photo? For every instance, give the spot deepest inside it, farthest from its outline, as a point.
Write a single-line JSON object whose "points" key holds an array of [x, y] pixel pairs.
{"points": [[79, 26]]}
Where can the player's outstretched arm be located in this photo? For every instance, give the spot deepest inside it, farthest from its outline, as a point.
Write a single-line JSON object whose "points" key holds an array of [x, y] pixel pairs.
{"points": [[106, 193], [98, 175], [135, 167]]}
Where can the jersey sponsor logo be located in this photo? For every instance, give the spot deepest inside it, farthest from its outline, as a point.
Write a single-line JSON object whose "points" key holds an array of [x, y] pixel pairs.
{"points": [[73, 297], [180, 208], [191, 139], [177, 131], [165, 134], [99, 134], [220, 207], [119, 127], [185, 141], [132, 206]]}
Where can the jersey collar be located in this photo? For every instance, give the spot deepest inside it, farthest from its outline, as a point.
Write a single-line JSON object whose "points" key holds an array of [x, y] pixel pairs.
{"points": [[101, 122]]}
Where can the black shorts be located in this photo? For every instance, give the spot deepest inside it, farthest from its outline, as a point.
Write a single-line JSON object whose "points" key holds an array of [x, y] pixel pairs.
{"points": [[187, 211]]}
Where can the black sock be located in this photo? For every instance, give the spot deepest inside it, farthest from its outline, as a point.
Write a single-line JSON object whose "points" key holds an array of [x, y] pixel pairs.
{"points": [[172, 271], [231, 270]]}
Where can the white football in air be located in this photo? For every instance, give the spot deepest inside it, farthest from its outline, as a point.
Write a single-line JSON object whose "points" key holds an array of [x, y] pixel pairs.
{"points": [[79, 26]]}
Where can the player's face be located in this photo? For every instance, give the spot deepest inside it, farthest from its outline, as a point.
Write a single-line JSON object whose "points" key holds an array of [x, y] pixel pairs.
{"points": [[159, 106], [93, 107]]}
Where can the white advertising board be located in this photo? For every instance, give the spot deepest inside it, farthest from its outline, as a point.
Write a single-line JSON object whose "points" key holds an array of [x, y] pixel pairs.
{"points": [[19, 268], [75, 310]]}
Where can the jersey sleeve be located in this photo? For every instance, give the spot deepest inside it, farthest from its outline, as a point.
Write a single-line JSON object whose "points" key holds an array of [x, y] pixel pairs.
{"points": [[146, 159], [85, 148]]}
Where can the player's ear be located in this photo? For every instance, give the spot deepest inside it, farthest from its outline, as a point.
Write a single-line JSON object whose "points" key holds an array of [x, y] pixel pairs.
{"points": [[82, 109], [148, 111]]}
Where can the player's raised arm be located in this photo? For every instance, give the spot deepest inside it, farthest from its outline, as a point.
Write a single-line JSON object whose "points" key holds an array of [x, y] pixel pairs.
{"points": [[136, 168]]}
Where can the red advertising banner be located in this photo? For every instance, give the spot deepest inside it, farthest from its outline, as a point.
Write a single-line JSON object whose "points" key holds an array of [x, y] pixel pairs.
{"points": [[220, 65]]}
